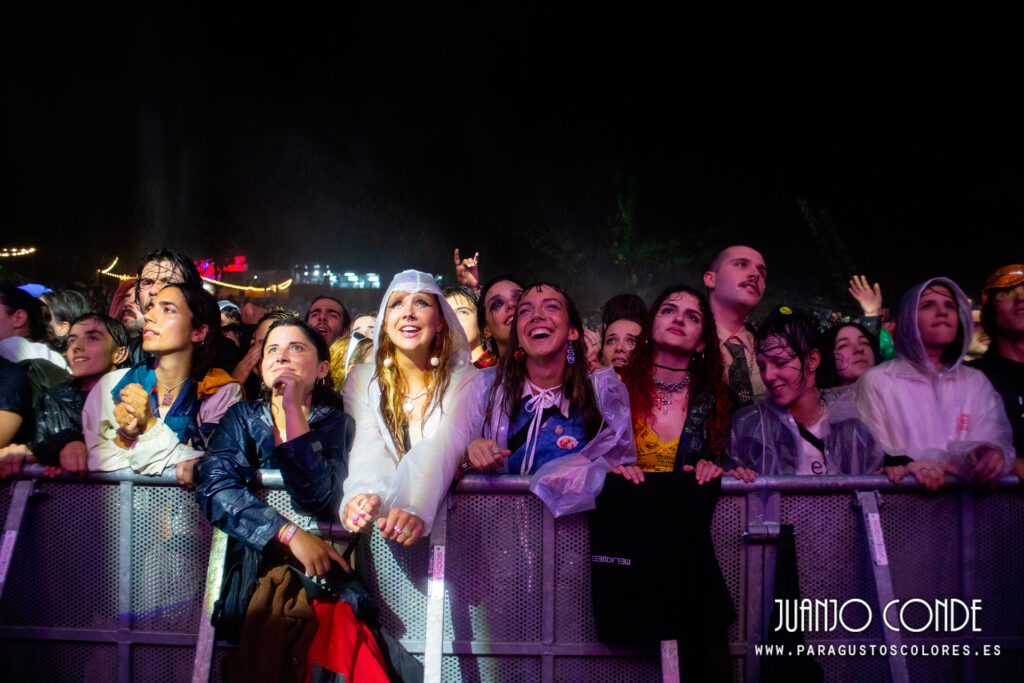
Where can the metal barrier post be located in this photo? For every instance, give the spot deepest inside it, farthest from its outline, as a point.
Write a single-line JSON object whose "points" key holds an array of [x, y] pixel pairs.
{"points": [[434, 638], [670, 661], [867, 501], [763, 511], [12, 525], [124, 581], [214, 578], [967, 565]]}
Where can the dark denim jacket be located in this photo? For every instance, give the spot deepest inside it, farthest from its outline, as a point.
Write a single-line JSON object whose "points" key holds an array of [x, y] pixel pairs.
{"points": [[313, 466]]}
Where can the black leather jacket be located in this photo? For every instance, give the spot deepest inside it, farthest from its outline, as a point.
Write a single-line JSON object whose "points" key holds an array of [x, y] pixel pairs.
{"points": [[313, 466], [58, 420]]}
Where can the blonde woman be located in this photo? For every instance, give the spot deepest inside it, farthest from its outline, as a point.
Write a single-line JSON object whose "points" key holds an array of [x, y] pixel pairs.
{"points": [[406, 447]]}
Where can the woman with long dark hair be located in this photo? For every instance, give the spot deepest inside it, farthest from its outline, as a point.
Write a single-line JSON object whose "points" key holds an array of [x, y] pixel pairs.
{"points": [[540, 413], [161, 412], [677, 392]]}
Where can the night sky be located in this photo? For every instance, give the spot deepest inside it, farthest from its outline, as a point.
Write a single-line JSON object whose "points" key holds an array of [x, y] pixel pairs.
{"points": [[606, 152]]}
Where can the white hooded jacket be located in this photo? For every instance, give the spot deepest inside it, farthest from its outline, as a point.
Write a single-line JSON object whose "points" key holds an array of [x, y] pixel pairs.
{"points": [[925, 414], [417, 481]]}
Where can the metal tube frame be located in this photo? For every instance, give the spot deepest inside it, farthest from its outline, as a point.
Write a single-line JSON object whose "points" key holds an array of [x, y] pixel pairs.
{"points": [[757, 573]]}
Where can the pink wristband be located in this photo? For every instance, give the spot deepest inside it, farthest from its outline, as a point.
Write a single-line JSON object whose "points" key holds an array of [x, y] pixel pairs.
{"points": [[286, 533]]}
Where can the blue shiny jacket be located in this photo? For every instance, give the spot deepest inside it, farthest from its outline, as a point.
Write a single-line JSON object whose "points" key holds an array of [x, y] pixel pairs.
{"points": [[313, 467]]}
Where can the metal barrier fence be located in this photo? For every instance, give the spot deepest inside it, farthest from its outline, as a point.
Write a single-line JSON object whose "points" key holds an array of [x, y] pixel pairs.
{"points": [[107, 576]]}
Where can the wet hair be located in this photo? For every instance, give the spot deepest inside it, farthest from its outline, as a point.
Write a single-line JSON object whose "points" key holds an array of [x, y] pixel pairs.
{"points": [[576, 387], [117, 331], [797, 329], [205, 311], [277, 313], [461, 291], [179, 261], [323, 390], [346, 319], [481, 313], [623, 307], [14, 299], [65, 305], [707, 373], [828, 375]]}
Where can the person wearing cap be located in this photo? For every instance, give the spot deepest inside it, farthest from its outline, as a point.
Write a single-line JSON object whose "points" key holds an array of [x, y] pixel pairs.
{"points": [[798, 428], [926, 406], [407, 445], [1002, 316], [230, 321], [735, 280]]}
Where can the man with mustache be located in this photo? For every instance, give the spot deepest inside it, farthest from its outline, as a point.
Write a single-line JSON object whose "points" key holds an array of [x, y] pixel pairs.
{"points": [[735, 281]]}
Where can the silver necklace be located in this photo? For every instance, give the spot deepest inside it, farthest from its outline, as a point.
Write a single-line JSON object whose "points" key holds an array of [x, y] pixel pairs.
{"points": [[409, 398], [168, 398], [674, 387]]}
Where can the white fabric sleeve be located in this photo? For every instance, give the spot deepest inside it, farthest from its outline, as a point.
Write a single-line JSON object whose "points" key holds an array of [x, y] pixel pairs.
{"points": [[989, 423], [424, 474], [371, 468]]}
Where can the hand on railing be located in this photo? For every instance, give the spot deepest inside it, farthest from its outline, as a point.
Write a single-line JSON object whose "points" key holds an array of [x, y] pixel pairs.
{"points": [[11, 457], [360, 511], [930, 473], [985, 464], [73, 458], [743, 474], [486, 454], [401, 526], [631, 472], [183, 470], [706, 471]]}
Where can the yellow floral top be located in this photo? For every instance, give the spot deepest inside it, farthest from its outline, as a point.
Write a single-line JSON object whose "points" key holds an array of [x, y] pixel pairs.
{"points": [[652, 454]]}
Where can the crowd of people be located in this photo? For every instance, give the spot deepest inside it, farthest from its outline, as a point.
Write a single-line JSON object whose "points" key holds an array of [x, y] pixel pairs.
{"points": [[371, 417]]}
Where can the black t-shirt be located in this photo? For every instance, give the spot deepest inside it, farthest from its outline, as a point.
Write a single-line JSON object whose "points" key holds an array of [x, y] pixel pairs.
{"points": [[1007, 376], [16, 397]]}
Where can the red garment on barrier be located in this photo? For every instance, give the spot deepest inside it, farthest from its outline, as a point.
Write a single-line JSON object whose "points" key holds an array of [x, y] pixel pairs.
{"points": [[344, 645]]}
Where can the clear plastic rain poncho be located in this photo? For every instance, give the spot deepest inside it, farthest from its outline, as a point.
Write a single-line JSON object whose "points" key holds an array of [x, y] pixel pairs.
{"points": [[928, 414], [417, 481]]}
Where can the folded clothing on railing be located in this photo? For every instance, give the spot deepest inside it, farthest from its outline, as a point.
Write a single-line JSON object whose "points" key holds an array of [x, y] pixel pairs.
{"points": [[650, 545]]}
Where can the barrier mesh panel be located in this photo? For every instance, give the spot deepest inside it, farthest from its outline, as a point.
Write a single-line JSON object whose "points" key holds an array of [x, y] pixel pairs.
{"points": [[633, 669], [574, 616], [64, 569], [1007, 666], [922, 538], [170, 551], [151, 663], [832, 560], [998, 534], [856, 668], [54, 661], [470, 669], [5, 502], [397, 578], [493, 573], [727, 526]]}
